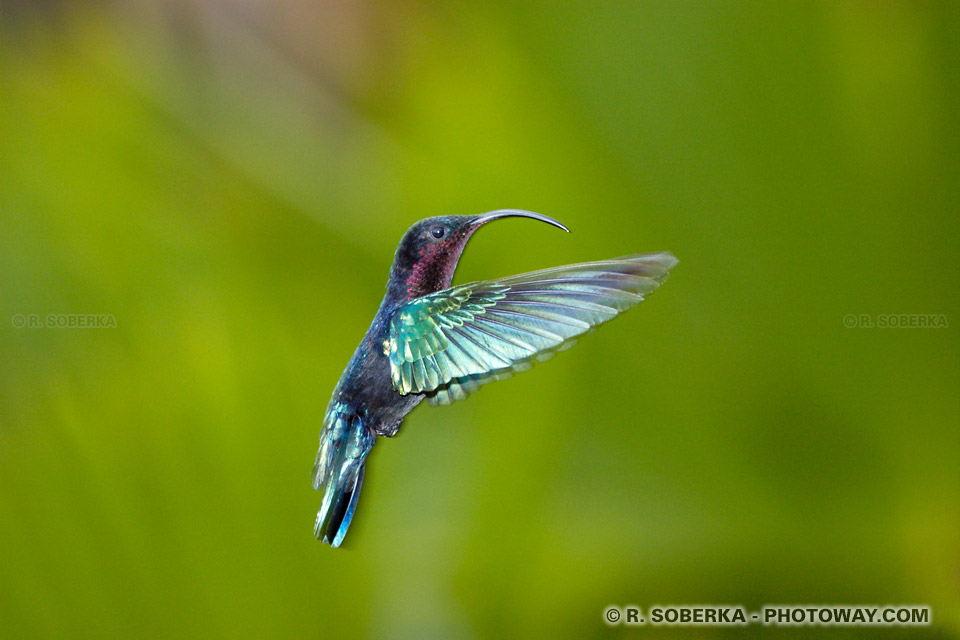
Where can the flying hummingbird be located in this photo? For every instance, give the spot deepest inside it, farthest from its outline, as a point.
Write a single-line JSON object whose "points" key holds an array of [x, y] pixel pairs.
{"points": [[436, 342]]}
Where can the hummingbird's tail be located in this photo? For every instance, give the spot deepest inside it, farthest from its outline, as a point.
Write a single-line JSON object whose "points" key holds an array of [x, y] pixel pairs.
{"points": [[344, 445]]}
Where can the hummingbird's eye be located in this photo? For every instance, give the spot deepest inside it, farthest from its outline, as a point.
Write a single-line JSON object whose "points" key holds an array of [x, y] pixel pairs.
{"points": [[438, 232]]}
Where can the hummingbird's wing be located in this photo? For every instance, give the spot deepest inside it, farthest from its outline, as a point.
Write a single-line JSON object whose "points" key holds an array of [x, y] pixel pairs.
{"points": [[447, 343]]}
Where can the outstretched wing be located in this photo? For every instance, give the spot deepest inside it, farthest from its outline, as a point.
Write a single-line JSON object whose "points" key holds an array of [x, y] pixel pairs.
{"points": [[447, 343]]}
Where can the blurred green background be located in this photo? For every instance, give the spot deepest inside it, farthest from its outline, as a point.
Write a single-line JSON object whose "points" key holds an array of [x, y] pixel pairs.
{"points": [[229, 180]]}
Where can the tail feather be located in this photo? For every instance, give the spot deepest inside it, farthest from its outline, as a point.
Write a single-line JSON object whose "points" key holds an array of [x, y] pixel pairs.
{"points": [[344, 445]]}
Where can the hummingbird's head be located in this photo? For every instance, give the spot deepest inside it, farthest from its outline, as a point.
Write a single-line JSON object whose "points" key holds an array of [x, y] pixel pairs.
{"points": [[430, 249]]}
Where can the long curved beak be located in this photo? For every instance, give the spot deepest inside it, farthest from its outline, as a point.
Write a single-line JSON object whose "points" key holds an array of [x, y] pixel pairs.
{"points": [[484, 218]]}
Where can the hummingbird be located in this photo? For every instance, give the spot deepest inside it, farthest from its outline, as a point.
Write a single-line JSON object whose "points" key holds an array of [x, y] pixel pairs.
{"points": [[436, 342]]}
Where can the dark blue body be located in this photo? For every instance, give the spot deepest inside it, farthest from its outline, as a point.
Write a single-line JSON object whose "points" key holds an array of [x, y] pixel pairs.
{"points": [[364, 405]]}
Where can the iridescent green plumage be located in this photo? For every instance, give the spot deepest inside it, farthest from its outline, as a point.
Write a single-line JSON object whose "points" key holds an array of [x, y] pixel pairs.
{"points": [[447, 343], [436, 342], [344, 444]]}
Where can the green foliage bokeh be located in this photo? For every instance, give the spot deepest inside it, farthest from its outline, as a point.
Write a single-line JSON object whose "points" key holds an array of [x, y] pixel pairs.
{"points": [[228, 181]]}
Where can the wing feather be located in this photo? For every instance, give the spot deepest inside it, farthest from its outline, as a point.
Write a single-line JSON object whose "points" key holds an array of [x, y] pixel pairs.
{"points": [[446, 344]]}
